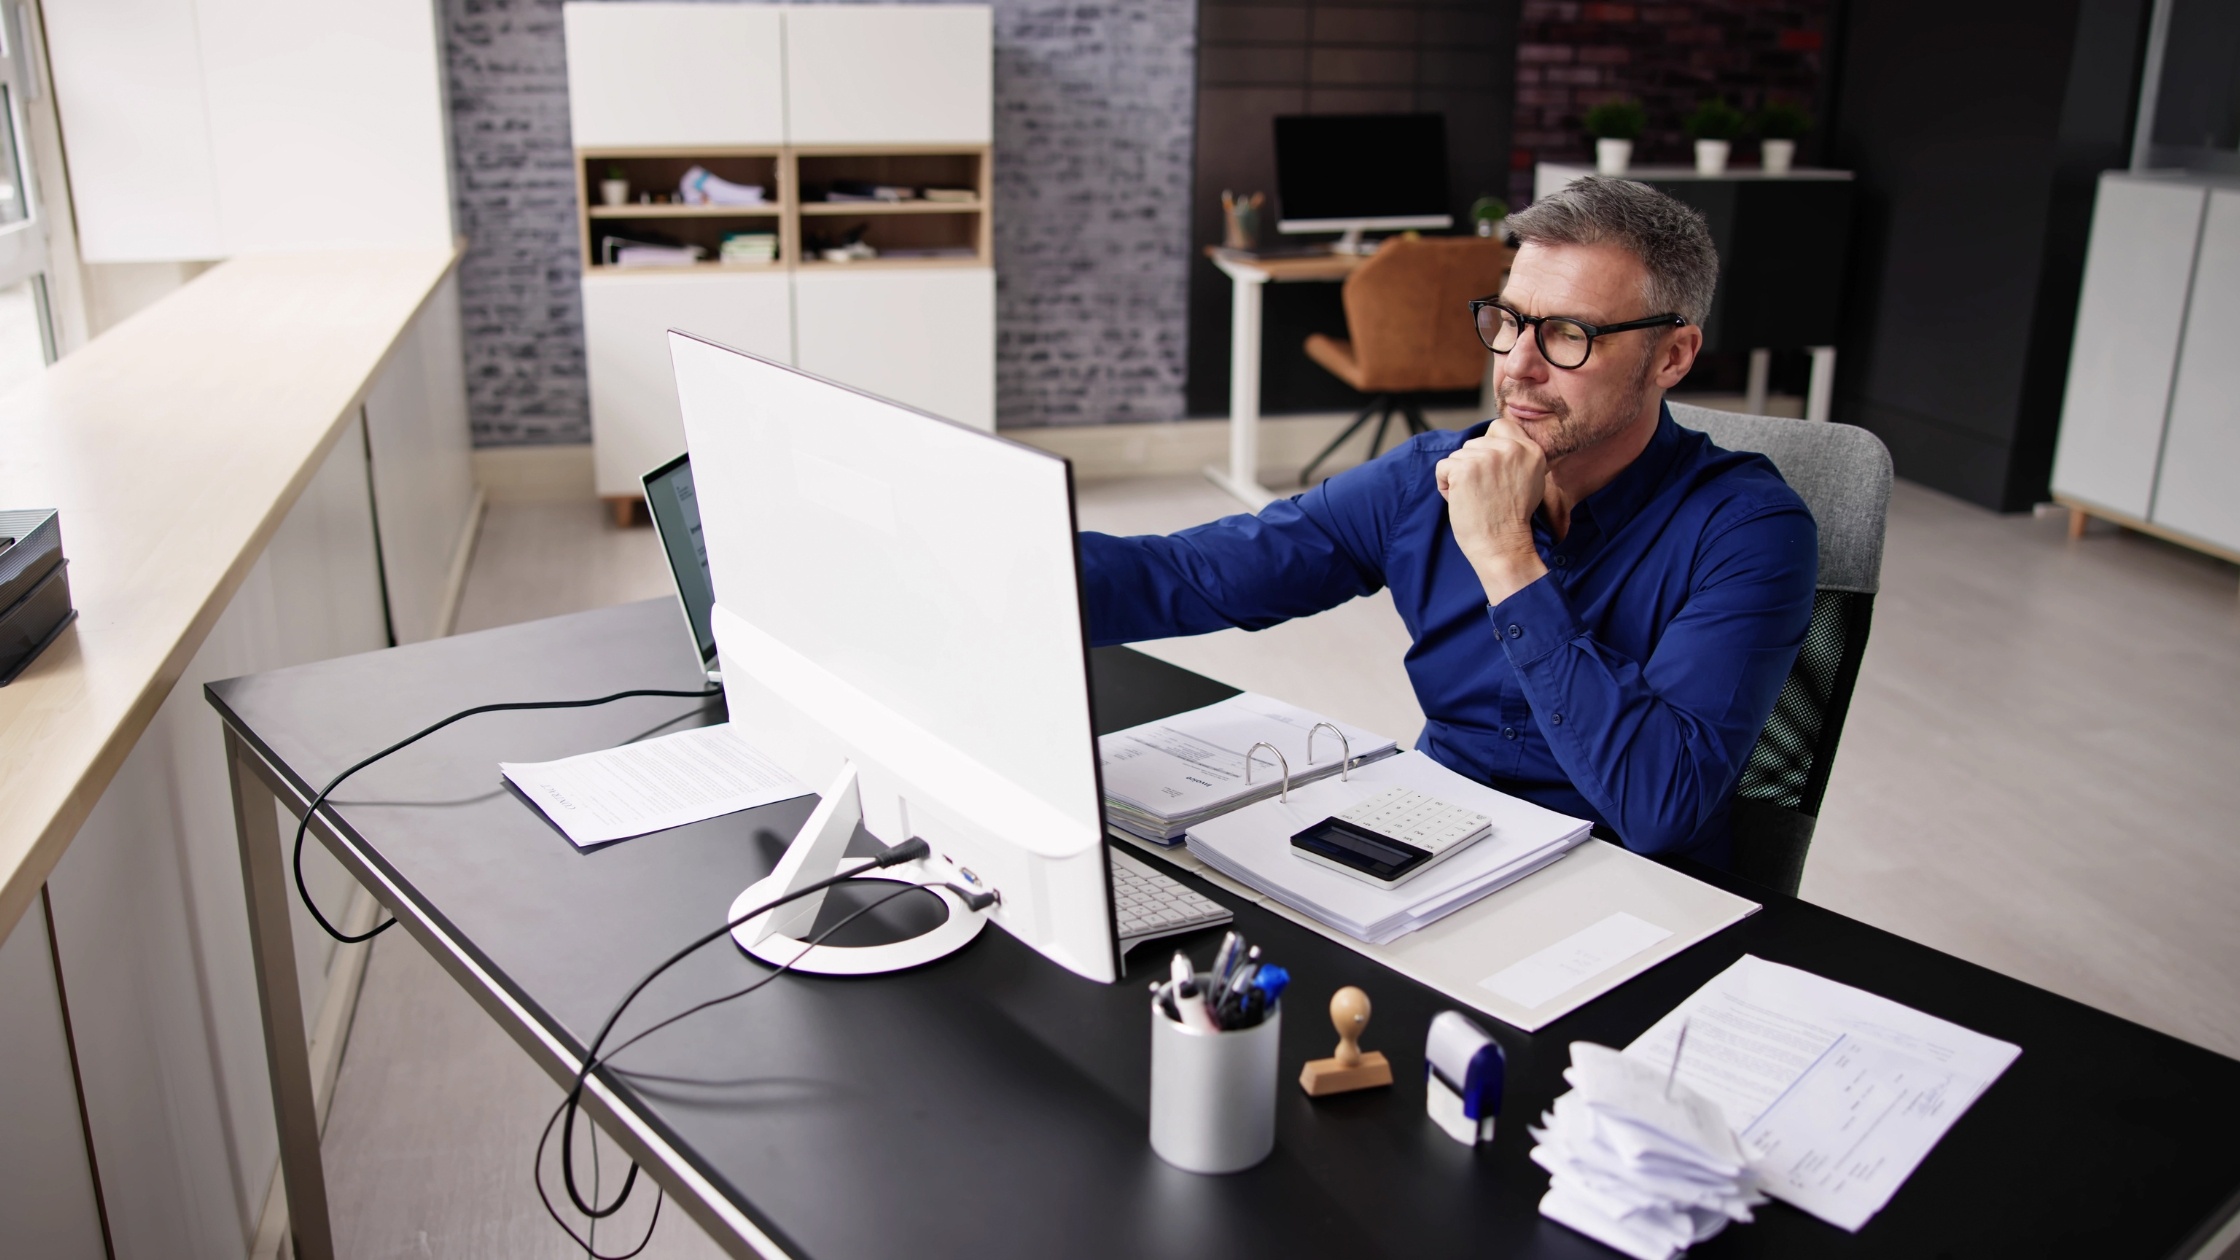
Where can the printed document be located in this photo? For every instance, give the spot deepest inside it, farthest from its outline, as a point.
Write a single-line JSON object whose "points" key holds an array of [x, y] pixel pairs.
{"points": [[1837, 1094], [653, 785], [1164, 776]]}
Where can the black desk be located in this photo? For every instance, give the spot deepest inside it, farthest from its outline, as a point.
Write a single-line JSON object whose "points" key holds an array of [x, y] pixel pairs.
{"points": [[993, 1104]]}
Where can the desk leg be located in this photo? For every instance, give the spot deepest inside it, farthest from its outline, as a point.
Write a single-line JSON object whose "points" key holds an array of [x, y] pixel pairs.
{"points": [[286, 1044], [1820, 393], [1754, 392], [1243, 477]]}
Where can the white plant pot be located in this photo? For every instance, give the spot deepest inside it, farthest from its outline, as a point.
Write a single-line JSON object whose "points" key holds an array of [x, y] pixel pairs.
{"points": [[1777, 155], [1711, 156], [614, 192], [1612, 156]]}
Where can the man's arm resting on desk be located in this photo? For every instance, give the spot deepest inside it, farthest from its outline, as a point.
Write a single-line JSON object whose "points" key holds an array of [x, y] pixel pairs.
{"points": [[1657, 745]]}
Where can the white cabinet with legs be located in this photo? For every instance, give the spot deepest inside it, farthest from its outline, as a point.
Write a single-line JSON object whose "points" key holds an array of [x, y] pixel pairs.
{"points": [[2150, 424]]}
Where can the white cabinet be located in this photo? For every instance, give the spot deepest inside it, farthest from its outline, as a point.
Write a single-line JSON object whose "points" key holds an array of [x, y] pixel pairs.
{"points": [[889, 74], [2199, 490], [626, 323], [423, 470], [925, 337], [812, 103], [2129, 315], [2150, 423], [670, 75], [208, 128]]}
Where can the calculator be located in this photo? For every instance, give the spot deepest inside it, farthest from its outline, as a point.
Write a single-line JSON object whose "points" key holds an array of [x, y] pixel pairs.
{"points": [[1392, 837]]}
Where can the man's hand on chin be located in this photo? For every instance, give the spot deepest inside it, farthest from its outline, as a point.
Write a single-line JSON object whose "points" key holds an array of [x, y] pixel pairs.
{"points": [[1493, 484]]}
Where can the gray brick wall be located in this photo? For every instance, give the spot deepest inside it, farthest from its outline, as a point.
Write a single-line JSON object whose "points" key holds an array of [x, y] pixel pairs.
{"points": [[1093, 127]]}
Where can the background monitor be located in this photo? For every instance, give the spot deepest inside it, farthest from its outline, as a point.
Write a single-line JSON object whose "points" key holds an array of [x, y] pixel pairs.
{"points": [[901, 595], [1351, 172]]}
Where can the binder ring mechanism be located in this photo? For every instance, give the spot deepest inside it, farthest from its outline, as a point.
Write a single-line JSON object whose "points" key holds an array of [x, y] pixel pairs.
{"points": [[1283, 760], [1345, 748]]}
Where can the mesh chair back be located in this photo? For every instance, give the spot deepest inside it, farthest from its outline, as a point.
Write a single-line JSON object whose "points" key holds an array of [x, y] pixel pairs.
{"points": [[1843, 475], [1408, 315]]}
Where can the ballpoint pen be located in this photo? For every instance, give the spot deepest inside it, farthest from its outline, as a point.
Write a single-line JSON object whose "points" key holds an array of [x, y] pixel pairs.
{"points": [[1189, 1000], [1225, 959]]}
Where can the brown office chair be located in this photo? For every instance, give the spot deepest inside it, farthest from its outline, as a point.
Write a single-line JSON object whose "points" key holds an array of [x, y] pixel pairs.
{"points": [[1408, 317]]}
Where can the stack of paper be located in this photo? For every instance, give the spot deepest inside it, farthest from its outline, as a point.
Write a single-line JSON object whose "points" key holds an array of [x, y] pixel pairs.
{"points": [[1253, 847], [1162, 777], [658, 255], [1639, 1161], [743, 248], [1838, 1093]]}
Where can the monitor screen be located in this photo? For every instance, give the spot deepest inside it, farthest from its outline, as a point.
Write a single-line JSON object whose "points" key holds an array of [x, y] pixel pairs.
{"points": [[1354, 167], [676, 518]]}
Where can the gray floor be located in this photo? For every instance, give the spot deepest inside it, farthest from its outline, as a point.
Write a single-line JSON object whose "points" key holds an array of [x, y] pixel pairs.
{"points": [[2038, 774]]}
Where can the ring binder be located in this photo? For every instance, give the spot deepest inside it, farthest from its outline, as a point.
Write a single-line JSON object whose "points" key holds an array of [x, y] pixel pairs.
{"points": [[1285, 795], [1345, 749]]}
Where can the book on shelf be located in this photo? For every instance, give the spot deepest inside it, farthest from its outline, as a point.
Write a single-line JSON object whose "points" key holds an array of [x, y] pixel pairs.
{"points": [[949, 194]]}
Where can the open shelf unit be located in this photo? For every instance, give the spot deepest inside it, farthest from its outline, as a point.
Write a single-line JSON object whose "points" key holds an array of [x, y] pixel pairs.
{"points": [[914, 232]]}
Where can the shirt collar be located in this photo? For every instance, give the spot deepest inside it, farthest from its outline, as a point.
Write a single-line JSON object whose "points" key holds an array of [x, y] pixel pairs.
{"points": [[1607, 510]]}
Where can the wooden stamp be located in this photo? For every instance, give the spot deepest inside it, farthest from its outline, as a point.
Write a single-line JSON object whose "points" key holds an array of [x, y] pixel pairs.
{"points": [[1349, 1068]]}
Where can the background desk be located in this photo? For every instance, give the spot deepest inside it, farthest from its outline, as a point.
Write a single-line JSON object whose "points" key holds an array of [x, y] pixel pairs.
{"points": [[993, 1104]]}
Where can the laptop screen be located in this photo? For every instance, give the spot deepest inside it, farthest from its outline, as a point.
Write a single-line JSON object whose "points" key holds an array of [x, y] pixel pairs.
{"points": [[676, 517]]}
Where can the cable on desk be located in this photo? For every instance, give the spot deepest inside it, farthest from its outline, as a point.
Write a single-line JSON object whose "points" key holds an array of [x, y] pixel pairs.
{"points": [[593, 1060], [303, 825]]}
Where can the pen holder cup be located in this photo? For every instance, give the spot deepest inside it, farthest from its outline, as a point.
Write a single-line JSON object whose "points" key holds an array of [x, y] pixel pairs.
{"points": [[1213, 1094]]}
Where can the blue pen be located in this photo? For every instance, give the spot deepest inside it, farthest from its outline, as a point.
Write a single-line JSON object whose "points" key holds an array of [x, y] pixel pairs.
{"points": [[1270, 981]]}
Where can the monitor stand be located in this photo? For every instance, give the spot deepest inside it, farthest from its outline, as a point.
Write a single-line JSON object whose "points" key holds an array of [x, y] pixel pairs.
{"points": [[1351, 243], [818, 852]]}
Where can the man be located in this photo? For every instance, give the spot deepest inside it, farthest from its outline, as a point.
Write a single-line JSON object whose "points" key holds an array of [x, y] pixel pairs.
{"points": [[1604, 605]]}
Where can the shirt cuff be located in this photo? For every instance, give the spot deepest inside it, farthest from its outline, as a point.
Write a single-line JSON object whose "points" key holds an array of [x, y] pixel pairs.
{"points": [[1534, 622]]}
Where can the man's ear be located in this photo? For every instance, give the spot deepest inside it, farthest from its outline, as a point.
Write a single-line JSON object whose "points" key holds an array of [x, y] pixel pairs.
{"points": [[1677, 355]]}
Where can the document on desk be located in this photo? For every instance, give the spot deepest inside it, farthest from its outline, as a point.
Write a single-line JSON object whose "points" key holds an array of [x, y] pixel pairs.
{"points": [[653, 785], [1836, 1093]]}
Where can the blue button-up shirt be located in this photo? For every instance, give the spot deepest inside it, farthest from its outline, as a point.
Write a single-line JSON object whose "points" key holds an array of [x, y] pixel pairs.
{"points": [[1627, 686]]}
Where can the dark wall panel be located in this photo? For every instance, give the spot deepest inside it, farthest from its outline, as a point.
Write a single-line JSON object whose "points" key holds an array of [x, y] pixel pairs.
{"points": [[1977, 133], [1258, 61]]}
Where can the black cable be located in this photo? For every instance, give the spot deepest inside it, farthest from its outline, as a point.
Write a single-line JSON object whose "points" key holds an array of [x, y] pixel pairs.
{"points": [[303, 826], [593, 1060], [908, 850]]}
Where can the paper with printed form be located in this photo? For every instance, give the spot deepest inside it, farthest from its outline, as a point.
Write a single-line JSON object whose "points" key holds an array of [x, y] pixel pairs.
{"points": [[1838, 1094], [1162, 777], [653, 785]]}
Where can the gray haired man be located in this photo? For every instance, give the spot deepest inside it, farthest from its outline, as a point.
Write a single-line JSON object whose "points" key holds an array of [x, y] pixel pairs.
{"points": [[1603, 605]]}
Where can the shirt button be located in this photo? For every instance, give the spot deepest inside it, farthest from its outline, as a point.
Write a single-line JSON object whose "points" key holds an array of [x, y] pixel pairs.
{"points": [[1563, 562], [1516, 632], [1557, 719], [1508, 732]]}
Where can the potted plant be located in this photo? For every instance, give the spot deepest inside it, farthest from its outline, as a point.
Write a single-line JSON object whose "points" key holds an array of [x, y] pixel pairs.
{"points": [[1713, 127], [1487, 214], [614, 190], [1780, 126], [1615, 124]]}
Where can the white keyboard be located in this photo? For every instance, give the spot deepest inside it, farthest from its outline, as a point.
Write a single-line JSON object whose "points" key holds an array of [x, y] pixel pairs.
{"points": [[1419, 821], [1149, 905]]}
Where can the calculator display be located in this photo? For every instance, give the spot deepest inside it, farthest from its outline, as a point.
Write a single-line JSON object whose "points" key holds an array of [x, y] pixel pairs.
{"points": [[1379, 857]]}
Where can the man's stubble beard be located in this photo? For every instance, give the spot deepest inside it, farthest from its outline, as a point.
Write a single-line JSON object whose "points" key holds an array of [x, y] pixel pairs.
{"points": [[1577, 432]]}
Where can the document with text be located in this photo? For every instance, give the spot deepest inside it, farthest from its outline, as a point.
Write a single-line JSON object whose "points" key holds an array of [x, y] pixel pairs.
{"points": [[1836, 1093], [653, 785]]}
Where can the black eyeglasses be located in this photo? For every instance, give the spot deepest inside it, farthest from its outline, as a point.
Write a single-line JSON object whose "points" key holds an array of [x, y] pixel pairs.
{"points": [[1564, 342]]}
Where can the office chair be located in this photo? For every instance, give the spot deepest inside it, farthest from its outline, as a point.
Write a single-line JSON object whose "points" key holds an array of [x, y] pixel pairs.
{"points": [[1403, 336], [1843, 475]]}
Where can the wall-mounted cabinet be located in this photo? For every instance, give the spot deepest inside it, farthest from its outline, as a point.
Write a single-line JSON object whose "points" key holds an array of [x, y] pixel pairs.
{"points": [[2150, 424], [867, 255]]}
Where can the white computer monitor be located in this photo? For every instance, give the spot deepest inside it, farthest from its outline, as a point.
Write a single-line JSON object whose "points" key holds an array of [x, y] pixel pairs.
{"points": [[1350, 173], [898, 612]]}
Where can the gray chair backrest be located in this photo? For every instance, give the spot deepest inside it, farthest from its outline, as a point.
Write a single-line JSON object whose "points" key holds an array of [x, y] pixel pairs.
{"points": [[1840, 471], [1843, 475]]}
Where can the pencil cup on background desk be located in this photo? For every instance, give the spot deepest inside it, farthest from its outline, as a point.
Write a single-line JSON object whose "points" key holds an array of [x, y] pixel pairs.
{"points": [[1213, 1093]]}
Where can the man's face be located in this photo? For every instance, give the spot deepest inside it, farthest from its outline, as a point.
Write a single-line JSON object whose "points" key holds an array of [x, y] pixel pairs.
{"points": [[1570, 410]]}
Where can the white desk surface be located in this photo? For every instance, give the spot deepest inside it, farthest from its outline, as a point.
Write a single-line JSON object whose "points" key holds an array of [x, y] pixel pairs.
{"points": [[173, 445]]}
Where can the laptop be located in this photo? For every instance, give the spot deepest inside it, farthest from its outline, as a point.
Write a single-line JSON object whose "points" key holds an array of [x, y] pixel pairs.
{"points": [[676, 518]]}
